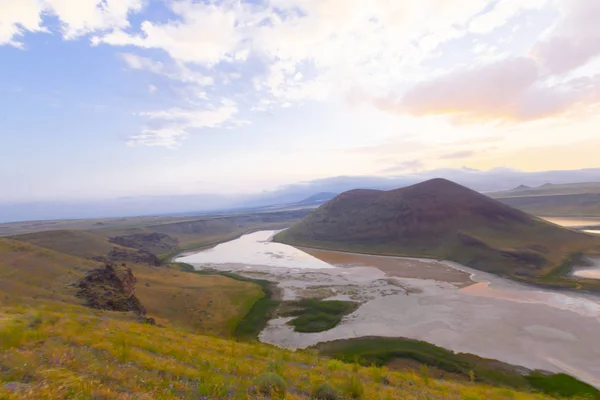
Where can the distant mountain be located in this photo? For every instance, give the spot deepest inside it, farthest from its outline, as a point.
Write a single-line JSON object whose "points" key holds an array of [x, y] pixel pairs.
{"points": [[550, 189], [440, 219], [566, 200], [317, 199]]}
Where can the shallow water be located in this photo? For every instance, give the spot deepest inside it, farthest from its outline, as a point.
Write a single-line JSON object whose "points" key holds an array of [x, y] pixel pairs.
{"points": [[574, 222], [256, 249], [592, 272], [491, 317]]}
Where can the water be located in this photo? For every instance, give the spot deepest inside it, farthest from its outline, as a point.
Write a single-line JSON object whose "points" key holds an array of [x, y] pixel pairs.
{"points": [[592, 272], [448, 305], [256, 249], [574, 222]]}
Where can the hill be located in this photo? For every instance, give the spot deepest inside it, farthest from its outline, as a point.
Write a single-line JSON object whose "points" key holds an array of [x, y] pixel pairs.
{"points": [[31, 274], [69, 352], [558, 200], [440, 219]]}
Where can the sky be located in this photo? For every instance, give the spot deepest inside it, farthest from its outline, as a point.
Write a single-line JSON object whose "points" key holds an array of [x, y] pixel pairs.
{"points": [[102, 99]]}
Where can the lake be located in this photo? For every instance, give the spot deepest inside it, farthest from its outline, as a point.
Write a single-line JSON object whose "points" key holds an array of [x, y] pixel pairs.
{"points": [[443, 303]]}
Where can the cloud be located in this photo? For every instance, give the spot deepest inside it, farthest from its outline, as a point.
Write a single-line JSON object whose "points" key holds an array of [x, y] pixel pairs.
{"points": [[85, 16], [405, 166], [18, 17], [176, 72], [205, 34], [457, 155], [500, 13], [169, 127], [511, 89], [77, 18], [575, 41]]}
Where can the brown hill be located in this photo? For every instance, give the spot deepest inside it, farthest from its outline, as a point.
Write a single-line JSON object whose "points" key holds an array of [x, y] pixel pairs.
{"points": [[440, 219]]}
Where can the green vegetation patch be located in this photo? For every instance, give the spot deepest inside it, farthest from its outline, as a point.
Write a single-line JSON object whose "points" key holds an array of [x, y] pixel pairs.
{"points": [[313, 315], [380, 351], [563, 385]]}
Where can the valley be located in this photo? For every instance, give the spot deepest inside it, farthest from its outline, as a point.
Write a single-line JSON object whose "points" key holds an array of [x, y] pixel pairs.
{"points": [[467, 311], [229, 276]]}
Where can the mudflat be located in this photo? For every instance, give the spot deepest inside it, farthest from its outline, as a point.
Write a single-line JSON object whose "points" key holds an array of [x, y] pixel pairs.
{"points": [[396, 266]]}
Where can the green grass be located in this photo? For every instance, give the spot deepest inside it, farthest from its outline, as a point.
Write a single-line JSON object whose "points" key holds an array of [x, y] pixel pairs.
{"points": [[313, 315], [563, 385], [382, 351]]}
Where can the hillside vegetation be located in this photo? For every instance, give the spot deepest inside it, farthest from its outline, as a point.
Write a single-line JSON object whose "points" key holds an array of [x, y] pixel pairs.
{"points": [[213, 304], [437, 361], [562, 200], [70, 352], [441, 219]]}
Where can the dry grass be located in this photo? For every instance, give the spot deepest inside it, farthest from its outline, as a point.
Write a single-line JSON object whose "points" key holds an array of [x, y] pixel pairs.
{"points": [[204, 303], [76, 243], [211, 304], [57, 352]]}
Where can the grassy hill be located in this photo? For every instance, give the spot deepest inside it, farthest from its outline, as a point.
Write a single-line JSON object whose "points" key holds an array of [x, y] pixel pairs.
{"points": [[440, 219], [213, 304], [60, 351], [564, 200], [77, 243]]}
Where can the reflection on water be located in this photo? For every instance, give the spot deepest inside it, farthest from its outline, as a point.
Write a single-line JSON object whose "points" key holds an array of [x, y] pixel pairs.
{"points": [[256, 249], [573, 222], [594, 231]]}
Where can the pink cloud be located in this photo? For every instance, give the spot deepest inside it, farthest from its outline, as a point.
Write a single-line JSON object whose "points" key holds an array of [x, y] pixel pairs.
{"points": [[507, 90]]}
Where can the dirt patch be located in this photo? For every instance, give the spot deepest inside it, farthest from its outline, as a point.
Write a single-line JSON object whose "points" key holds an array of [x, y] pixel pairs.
{"points": [[395, 266]]}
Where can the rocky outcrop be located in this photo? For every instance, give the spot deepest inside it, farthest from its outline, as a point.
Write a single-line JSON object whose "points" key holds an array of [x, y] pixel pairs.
{"points": [[118, 255], [111, 288], [156, 243]]}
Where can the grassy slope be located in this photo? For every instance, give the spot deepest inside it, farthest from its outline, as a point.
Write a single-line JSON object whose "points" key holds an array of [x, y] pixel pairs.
{"points": [[568, 200], [29, 273], [95, 354], [387, 351], [440, 219], [209, 304], [76, 243]]}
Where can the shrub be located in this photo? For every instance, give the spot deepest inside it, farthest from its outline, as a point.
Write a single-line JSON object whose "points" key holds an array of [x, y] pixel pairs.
{"points": [[354, 388], [424, 372], [334, 365], [271, 384], [326, 392], [11, 336]]}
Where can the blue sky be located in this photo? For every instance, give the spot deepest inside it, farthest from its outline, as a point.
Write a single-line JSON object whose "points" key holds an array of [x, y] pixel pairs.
{"points": [[110, 98]]}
